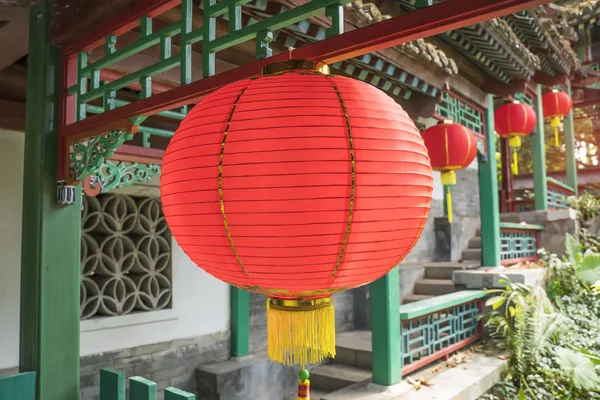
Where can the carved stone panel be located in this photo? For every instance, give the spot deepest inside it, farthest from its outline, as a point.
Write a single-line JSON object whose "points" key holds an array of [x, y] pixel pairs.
{"points": [[125, 256]]}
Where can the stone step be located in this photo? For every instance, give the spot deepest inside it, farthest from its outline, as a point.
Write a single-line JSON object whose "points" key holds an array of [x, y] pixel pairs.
{"points": [[475, 243], [411, 298], [332, 377], [445, 270], [472, 255], [316, 394], [434, 287]]}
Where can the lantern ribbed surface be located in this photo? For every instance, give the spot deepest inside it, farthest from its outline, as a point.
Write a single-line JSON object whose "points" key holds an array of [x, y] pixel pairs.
{"points": [[515, 119], [451, 146], [556, 104], [297, 185]]}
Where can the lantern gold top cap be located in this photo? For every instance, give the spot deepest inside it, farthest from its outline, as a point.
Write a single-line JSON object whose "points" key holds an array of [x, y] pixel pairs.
{"points": [[296, 65]]}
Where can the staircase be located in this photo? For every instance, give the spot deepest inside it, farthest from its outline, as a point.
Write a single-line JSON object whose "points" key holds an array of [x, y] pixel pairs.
{"points": [[438, 276]]}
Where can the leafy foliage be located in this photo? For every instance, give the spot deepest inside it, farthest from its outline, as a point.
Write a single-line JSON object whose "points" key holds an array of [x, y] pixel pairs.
{"points": [[587, 207]]}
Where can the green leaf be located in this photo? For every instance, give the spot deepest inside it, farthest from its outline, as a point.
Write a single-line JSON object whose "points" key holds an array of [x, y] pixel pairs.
{"points": [[588, 270], [573, 248], [522, 394], [584, 373], [496, 302], [594, 358]]}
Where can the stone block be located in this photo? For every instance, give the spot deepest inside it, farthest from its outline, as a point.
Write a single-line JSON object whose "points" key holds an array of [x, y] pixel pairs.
{"points": [[251, 378], [488, 278]]}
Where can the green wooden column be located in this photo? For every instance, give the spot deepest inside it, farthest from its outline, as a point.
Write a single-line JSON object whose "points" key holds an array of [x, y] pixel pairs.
{"points": [[51, 233], [240, 321], [538, 143], [386, 340], [571, 169], [489, 209]]}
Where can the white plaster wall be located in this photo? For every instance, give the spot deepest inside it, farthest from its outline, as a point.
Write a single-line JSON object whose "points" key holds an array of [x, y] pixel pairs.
{"points": [[200, 302], [11, 195]]}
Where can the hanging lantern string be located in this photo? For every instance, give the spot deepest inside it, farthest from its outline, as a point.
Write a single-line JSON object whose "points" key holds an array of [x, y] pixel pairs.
{"points": [[303, 385]]}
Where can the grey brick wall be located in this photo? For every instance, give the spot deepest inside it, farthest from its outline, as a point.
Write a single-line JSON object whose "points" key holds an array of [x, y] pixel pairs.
{"points": [[344, 317]]}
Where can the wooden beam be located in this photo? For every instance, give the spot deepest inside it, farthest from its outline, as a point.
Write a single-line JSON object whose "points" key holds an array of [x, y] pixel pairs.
{"points": [[502, 89], [14, 36], [12, 115], [433, 20], [548, 80]]}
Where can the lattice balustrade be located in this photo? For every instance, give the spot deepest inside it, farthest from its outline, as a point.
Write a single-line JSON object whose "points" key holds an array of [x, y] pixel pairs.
{"points": [[518, 242], [434, 328], [557, 195], [458, 111], [125, 256]]}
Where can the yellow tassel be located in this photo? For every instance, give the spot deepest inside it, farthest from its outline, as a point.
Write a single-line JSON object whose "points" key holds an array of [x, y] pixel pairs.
{"points": [[515, 166], [555, 123], [300, 331], [448, 178], [449, 205]]}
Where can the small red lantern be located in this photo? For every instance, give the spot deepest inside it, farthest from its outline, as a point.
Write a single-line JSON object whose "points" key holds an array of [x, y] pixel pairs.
{"points": [[297, 184], [556, 105], [451, 147], [513, 121]]}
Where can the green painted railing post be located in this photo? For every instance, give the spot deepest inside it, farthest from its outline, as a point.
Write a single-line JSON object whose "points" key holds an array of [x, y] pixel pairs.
{"points": [[538, 143], [112, 384], [142, 389], [386, 329], [51, 233], [489, 209], [571, 167], [240, 321], [20, 386], [176, 394]]}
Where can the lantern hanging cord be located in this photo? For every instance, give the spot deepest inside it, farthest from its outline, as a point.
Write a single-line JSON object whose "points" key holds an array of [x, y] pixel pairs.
{"points": [[353, 179], [220, 178]]}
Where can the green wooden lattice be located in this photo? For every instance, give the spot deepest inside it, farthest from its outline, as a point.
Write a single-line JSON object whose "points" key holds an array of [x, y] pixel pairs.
{"points": [[460, 112], [517, 244], [524, 98], [432, 333]]}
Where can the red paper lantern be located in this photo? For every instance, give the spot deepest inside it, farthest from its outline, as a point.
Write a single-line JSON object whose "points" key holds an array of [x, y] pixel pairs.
{"points": [[556, 105], [297, 184], [513, 121], [451, 147]]}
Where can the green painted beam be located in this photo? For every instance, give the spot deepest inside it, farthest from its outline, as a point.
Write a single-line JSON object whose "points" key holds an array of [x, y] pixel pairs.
{"points": [[429, 306], [538, 144], [489, 208], [240, 321], [526, 227], [550, 179], [386, 329], [51, 234], [570, 147]]}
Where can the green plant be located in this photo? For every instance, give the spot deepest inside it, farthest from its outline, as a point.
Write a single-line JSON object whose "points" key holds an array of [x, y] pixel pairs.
{"points": [[586, 265], [587, 207]]}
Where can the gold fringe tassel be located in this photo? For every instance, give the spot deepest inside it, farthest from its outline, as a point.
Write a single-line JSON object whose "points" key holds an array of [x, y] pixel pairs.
{"points": [[555, 123], [449, 204], [300, 332]]}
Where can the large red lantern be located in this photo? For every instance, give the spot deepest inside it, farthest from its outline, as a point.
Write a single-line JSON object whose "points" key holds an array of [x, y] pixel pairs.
{"points": [[297, 184], [556, 105], [512, 122], [451, 147]]}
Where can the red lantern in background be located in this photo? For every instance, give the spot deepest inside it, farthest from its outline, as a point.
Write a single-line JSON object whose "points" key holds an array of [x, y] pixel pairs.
{"points": [[451, 147], [556, 105], [298, 185], [513, 121]]}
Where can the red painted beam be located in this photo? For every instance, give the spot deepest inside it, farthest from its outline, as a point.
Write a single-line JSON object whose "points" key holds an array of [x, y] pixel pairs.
{"points": [[429, 21]]}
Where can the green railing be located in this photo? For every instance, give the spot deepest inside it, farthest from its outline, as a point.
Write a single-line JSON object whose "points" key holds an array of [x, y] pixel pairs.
{"points": [[18, 387], [454, 109], [518, 242], [436, 327], [557, 194]]}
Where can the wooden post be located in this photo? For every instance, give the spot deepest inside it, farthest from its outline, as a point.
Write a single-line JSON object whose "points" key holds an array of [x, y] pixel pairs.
{"points": [[386, 342], [507, 196], [538, 143], [488, 194], [240, 321], [51, 234], [571, 167]]}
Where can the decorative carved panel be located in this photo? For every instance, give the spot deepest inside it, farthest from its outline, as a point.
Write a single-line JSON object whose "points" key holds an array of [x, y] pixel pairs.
{"points": [[125, 256]]}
